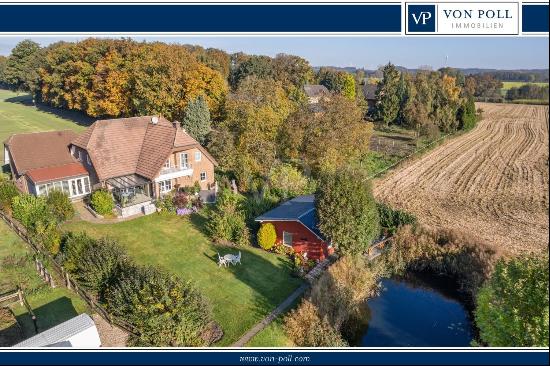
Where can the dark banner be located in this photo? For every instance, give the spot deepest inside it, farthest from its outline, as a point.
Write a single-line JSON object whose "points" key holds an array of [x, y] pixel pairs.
{"points": [[282, 357], [201, 18]]}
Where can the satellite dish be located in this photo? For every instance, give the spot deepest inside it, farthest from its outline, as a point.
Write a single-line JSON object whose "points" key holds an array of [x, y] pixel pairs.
{"points": [[154, 120]]}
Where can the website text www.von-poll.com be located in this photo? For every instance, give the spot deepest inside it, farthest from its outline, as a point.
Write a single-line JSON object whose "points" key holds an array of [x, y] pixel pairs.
{"points": [[279, 360]]}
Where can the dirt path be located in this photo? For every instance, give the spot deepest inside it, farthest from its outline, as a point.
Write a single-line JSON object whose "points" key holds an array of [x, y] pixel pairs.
{"points": [[492, 182]]}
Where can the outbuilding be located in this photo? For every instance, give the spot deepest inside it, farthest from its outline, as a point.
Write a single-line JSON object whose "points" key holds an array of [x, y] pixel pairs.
{"points": [[296, 225]]}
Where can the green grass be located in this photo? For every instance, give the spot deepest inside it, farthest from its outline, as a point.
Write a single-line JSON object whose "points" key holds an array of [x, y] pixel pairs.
{"points": [[516, 84], [51, 306], [274, 334], [240, 295], [376, 162], [18, 115], [507, 85]]}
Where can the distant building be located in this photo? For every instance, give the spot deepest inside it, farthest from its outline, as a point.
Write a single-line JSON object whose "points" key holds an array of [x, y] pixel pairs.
{"points": [[78, 332], [315, 93], [369, 92], [296, 226]]}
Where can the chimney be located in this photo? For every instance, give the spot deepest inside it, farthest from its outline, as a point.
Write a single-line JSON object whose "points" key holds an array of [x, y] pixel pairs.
{"points": [[176, 124]]}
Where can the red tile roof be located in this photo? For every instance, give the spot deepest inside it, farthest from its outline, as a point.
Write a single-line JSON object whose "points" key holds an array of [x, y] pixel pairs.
{"points": [[41, 175], [40, 149]]}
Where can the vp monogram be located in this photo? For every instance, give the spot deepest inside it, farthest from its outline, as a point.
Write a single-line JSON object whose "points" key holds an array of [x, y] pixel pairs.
{"points": [[423, 16]]}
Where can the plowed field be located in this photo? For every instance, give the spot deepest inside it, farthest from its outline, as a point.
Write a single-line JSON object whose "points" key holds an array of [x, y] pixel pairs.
{"points": [[491, 182]]}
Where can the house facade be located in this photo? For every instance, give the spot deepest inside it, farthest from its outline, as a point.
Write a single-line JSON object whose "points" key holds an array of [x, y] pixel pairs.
{"points": [[138, 159], [41, 161], [296, 225]]}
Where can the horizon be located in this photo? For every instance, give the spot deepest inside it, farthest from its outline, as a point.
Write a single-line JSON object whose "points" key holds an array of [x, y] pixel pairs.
{"points": [[502, 53]]}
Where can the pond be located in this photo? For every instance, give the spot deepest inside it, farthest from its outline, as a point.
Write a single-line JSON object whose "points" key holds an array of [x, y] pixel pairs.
{"points": [[420, 310]]}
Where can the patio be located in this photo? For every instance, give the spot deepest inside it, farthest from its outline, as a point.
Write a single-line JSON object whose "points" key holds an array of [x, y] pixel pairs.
{"points": [[132, 194]]}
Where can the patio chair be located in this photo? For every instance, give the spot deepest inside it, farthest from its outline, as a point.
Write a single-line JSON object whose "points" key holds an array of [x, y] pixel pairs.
{"points": [[236, 259], [222, 261]]}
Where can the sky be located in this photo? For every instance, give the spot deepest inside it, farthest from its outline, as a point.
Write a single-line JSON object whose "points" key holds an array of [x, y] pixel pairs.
{"points": [[368, 52]]}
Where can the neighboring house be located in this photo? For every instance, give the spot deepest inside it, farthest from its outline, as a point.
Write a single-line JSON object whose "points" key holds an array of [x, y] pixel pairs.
{"points": [[315, 93], [296, 226], [78, 332], [138, 159], [369, 92], [41, 161]]}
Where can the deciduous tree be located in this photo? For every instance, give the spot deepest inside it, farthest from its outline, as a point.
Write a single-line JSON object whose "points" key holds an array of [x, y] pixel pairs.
{"points": [[512, 308], [347, 211]]}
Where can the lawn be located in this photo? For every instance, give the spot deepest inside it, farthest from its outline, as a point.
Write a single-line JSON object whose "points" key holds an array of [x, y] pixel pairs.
{"points": [[19, 115], [51, 306], [274, 334], [240, 295]]}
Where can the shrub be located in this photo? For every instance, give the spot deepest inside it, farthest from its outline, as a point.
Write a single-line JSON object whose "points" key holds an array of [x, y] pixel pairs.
{"points": [[307, 328], [8, 191], [335, 305], [60, 205], [286, 182], [455, 254], [29, 210], [72, 246], [166, 203], [466, 115], [341, 291], [256, 205], [35, 215], [347, 210], [165, 310], [102, 202], [47, 233], [267, 236], [180, 200], [227, 220], [512, 307], [98, 264], [391, 219]]}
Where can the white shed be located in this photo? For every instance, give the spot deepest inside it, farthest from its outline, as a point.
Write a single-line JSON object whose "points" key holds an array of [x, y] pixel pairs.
{"points": [[79, 331]]}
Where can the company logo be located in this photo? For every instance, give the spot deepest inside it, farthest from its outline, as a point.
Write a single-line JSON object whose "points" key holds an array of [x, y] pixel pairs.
{"points": [[421, 18], [463, 18]]}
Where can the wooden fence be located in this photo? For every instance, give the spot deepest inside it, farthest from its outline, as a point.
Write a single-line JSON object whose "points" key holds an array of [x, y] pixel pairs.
{"points": [[19, 296], [63, 275]]}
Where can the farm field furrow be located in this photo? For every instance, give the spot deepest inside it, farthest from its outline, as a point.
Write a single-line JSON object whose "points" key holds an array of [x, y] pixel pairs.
{"points": [[491, 182]]}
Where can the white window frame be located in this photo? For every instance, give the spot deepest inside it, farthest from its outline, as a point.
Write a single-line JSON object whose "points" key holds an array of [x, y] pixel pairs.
{"points": [[187, 165], [198, 156], [88, 159], [286, 233], [167, 164], [205, 176], [79, 158], [163, 184], [66, 186]]}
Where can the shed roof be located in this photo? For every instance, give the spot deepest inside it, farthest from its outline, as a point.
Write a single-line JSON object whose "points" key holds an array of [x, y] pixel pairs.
{"points": [[60, 333], [301, 209], [48, 174], [40, 149]]}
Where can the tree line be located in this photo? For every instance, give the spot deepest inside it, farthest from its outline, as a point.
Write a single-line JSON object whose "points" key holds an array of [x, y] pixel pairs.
{"points": [[427, 101]]}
